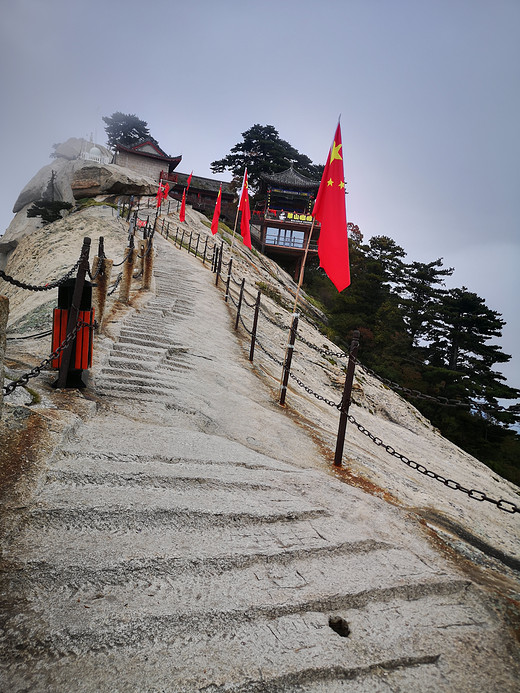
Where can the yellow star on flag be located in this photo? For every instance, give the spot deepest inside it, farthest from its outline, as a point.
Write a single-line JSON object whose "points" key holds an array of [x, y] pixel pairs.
{"points": [[334, 152], [341, 184], [330, 182]]}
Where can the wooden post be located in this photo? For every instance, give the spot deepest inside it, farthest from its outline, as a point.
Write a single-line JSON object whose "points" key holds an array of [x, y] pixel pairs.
{"points": [[4, 314], [74, 313], [148, 265], [102, 283], [128, 271], [288, 358], [228, 279], [345, 401], [255, 324], [241, 296]]}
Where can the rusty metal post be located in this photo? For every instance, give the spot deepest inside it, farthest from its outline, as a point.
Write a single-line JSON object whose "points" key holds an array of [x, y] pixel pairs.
{"points": [[205, 249], [74, 313], [288, 358], [241, 296], [4, 314], [345, 401], [255, 324], [219, 264], [102, 282], [228, 279], [142, 245], [128, 271], [148, 265]]}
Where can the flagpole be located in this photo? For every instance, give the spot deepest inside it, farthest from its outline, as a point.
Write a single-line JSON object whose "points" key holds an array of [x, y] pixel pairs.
{"points": [[302, 268], [235, 227]]}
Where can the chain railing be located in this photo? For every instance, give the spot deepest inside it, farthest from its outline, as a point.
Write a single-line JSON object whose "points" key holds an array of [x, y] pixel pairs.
{"points": [[45, 287], [35, 372], [342, 407]]}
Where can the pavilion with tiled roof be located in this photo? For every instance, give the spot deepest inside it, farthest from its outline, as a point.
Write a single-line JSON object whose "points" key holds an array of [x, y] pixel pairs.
{"points": [[281, 228]]}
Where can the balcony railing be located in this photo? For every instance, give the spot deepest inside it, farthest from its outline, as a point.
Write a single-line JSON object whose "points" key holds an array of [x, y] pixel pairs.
{"points": [[172, 177], [292, 217]]}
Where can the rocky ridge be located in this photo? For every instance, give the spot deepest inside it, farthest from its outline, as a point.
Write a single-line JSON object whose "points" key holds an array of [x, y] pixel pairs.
{"points": [[189, 535]]}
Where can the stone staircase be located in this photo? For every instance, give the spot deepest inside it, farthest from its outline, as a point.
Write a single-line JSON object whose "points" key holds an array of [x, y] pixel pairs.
{"points": [[167, 551]]}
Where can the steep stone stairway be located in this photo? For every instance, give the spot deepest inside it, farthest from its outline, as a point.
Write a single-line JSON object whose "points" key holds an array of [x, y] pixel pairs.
{"points": [[189, 538]]}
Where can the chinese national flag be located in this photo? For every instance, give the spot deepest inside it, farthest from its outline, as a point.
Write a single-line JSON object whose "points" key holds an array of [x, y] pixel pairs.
{"points": [[246, 213], [216, 213], [166, 190], [182, 215], [189, 181], [159, 195], [329, 210]]}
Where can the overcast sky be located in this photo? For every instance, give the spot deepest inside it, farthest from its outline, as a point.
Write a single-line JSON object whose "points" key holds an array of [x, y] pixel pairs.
{"points": [[428, 92]]}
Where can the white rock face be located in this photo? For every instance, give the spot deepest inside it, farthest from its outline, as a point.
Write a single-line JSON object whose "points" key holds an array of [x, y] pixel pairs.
{"points": [[76, 177]]}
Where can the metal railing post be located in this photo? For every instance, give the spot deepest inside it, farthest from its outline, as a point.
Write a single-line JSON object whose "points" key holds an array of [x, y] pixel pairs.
{"points": [[241, 296], [100, 288], [4, 315], [205, 249], [345, 400], [72, 320], [128, 271], [288, 358], [148, 265], [228, 279], [219, 263], [255, 324]]}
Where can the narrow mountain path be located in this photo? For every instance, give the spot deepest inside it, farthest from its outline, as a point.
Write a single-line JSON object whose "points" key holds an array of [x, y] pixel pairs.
{"points": [[189, 538]]}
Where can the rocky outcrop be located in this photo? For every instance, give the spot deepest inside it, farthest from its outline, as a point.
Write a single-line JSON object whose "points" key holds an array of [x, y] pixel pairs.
{"points": [[74, 178], [90, 179], [79, 178]]}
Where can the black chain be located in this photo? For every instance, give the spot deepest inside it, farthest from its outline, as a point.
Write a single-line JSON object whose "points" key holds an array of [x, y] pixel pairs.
{"points": [[501, 504], [45, 287], [24, 379], [320, 398], [118, 264], [116, 284], [98, 269], [32, 336]]}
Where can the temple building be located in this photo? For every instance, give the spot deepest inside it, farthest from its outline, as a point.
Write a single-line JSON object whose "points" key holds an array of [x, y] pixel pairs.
{"points": [[282, 227], [202, 195], [148, 159]]}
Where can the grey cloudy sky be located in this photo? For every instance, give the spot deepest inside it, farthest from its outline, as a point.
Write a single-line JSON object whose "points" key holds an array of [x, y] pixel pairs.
{"points": [[429, 92]]}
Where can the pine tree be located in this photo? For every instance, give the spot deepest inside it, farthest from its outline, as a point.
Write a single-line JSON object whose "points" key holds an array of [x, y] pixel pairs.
{"points": [[126, 129], [263, 151]]}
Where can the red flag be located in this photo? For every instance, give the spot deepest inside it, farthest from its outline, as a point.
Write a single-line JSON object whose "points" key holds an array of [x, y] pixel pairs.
{"points": [[166, 190], [216, 213], [246, 214], [330, 211], [189, 181], [182, 215], [159, 194]]}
